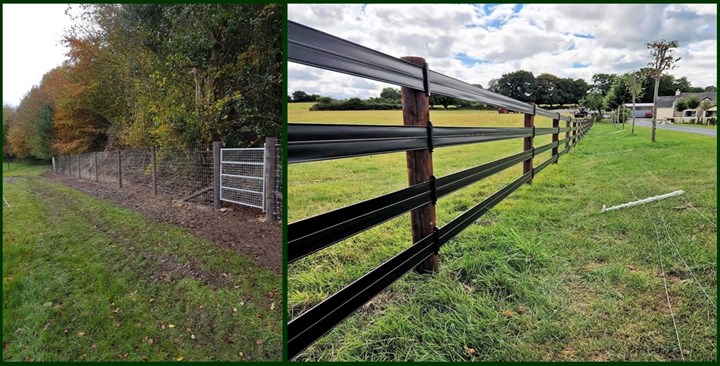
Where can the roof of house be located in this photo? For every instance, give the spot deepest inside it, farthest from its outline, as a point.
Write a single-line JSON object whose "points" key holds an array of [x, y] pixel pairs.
{"points": [[668, 101]]}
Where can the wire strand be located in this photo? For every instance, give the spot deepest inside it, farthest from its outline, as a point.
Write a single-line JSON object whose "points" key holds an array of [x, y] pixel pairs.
{"points": [[662, 266]]}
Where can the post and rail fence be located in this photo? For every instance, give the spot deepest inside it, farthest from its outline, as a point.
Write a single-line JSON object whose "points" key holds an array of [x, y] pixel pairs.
{"points": [[418, 138], [246, 176]]}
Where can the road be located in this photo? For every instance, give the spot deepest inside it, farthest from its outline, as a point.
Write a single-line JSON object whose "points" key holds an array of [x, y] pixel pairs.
{"points": [[700, 131]]}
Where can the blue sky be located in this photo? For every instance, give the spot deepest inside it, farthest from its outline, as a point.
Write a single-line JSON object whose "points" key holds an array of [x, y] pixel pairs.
{"points": [[477, 43]]}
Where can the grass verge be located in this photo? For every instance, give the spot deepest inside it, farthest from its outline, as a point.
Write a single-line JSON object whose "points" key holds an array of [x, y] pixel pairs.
{"points": [[86, 280], [544, 275]]}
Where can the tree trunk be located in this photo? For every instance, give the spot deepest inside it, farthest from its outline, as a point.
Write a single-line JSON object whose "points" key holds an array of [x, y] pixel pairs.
{"points": [[655, 102], [632, 129]]}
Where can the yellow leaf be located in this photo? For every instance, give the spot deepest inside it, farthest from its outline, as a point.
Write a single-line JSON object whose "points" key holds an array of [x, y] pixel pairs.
{"points": [[171, 325], [80, 334], [179, 359]]}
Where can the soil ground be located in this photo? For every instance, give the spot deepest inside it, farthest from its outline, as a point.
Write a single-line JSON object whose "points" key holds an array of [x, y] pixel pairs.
{"points": [[242, 229]]}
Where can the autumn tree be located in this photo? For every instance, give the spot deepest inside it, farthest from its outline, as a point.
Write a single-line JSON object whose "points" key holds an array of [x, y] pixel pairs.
{"points": [[8, 116], [661, 60]]}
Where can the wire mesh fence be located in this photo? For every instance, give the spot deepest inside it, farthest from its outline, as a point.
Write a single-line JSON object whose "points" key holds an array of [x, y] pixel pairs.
{"points": [[180, 173], [277, 190]]}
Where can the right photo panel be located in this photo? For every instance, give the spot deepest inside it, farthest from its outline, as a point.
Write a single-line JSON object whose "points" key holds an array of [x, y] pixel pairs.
{"points": [[501, 182]]}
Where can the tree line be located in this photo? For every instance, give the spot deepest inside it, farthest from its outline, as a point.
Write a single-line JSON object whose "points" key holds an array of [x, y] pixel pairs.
{"points": [[156, 74], [605, 92]]}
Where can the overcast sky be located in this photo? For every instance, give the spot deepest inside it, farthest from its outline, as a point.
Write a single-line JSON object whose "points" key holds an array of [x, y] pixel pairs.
{"points": [[31, 45], [476, 43]]}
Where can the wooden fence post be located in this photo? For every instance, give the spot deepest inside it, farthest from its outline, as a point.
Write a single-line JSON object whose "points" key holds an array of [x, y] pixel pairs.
{"points": [[119, 162], [216, 175], [556, 124], [96, 166], [53, 162], [416, 112], [575, 132], [529, 122], [270, 176], [154, 169]]}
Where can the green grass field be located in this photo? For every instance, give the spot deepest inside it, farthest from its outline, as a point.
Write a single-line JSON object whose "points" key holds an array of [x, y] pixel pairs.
{"points": [[86, 280], [544, 275]]}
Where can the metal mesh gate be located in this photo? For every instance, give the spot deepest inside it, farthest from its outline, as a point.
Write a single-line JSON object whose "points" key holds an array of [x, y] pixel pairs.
{"points": [[242, 176]]}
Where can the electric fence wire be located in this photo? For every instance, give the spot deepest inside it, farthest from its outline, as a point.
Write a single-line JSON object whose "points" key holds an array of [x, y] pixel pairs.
{"points": [[685, 199], [672, 242], [662, 266]]}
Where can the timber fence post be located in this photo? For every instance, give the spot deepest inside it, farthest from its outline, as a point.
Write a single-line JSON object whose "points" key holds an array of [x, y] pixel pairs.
{"points": [[216, 175], [529, 122], [154, 169], [119, 168], [556, 125], [96, 166], [416, 112], [270, 176], [575, 132]]}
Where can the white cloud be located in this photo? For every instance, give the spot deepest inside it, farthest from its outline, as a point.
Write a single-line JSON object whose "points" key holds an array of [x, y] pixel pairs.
{"points": [[607, 38]]}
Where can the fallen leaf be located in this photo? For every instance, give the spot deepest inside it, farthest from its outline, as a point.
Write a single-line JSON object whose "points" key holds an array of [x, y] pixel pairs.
{"points": [[151, 341], [508, 313], [631, 267], [117, 324], [47, 304], [259, 342], [241, 354], [179, 359], [192, 336], [469, 350], [171, 325], [80, 334], [234, 310], [272, 306], [521, 309], [162, 326]]}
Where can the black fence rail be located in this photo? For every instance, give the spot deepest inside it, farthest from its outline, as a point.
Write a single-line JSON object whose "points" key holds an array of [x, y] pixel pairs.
{"points": [[316, 142]]}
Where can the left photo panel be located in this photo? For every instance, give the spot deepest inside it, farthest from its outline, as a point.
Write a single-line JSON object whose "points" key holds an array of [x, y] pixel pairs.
{"points": [[142, 180]]}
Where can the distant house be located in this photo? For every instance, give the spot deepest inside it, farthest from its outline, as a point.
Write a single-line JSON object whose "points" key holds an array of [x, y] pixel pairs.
{"points": [[666, 106], [642, 110]]}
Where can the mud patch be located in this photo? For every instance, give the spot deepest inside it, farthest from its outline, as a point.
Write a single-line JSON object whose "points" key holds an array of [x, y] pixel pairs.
{"points": [[241, 229]]}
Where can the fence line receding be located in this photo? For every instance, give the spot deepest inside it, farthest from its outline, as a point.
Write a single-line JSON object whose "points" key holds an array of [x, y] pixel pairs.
{"points": [[418, 138], [189, 173]]}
